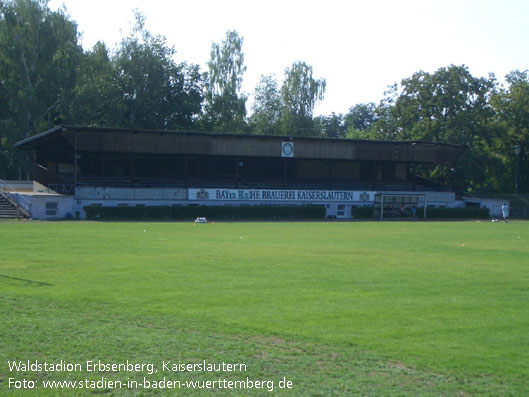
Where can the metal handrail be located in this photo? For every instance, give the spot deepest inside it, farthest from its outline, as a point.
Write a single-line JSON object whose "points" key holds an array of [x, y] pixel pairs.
{"points": [[19, 199]]}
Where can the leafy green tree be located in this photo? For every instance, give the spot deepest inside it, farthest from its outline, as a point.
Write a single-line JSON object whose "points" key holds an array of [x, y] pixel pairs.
{"points": [[331, 126], [289, 110], [387, 124], [361, 116], [225, 103], [300, 92], [39, 53], [156, 92], [359, 121], [511, 105], [96, 99], [449, 106], [267, 107]]}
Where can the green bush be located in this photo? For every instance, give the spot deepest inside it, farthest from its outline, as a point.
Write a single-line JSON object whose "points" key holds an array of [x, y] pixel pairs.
{"points": [[181, 212], [258, 212], [362, 212]]}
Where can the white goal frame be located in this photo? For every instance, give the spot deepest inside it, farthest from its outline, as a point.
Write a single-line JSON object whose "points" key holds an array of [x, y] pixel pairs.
{"points": [[391, 204]]}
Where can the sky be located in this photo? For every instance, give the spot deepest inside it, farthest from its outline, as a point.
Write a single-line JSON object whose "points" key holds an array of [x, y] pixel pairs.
{"points": [[360, 47]]}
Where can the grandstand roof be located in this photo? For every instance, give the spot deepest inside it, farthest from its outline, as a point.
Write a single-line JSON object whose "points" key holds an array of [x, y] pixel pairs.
{"points": [[61, 139]]}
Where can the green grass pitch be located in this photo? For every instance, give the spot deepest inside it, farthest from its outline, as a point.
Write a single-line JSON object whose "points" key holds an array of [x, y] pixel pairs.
{"points": [[369, 308]]}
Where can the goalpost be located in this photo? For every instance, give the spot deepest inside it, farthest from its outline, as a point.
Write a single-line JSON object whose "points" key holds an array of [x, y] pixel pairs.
{"points": [[400, 206]]}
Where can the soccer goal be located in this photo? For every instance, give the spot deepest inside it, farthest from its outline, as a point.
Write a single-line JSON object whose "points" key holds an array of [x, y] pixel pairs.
{"points": [[400, 206]]}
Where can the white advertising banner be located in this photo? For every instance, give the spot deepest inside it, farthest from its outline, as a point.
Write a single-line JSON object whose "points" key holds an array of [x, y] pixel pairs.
{"points": [[280, 195]]}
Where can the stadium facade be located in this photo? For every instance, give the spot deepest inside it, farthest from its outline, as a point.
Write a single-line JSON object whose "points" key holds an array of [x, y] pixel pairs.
{"points": [[80, 166]]}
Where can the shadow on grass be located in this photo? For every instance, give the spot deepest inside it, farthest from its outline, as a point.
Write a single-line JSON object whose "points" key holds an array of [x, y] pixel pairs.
{"points": [[39, 283]]}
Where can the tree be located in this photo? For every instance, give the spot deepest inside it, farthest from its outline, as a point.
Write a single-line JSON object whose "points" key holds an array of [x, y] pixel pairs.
{"points": [[289, 110], [226, 105], [300, 92], [511, 105], [267, 107], [331, 126], [156, 92], [96, 100], [39, 53], [359, 121], [448, 106], [361, 116]]}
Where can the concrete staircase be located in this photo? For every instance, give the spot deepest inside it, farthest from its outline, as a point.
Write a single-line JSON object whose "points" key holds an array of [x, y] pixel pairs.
{"points": [[8, 210]]}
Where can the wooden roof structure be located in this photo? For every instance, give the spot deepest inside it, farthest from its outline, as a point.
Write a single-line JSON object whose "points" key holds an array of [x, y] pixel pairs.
{"points": [[70, 139]]}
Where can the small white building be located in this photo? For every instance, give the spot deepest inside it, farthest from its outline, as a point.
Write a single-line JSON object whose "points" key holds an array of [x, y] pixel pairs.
{"points": [[39, 201], [493, 204]]}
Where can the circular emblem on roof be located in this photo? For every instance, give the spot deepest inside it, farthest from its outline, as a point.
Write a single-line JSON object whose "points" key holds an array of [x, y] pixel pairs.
{"points": [[287, 149]]}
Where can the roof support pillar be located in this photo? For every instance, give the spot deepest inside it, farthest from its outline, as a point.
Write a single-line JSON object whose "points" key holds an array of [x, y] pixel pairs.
{"points": [[75, 164], [186, 169], [132, 167], [237, 165], [285, 171], [330, 166], [414, 176], [374, 170]]}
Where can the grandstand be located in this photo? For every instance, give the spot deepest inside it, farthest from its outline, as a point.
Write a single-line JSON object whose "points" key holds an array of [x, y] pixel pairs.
{"points": [[109, 166]]}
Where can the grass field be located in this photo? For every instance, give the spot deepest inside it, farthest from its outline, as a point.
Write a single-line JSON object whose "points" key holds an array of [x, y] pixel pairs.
{"points": [[379, 308]]}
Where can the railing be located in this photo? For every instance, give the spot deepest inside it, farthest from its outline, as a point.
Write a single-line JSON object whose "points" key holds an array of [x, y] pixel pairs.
{"points": [[16, 198], [62, 188], [519, 212]]}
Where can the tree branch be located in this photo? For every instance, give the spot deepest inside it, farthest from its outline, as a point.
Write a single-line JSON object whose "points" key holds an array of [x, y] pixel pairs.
{"points": [[49, 109]]}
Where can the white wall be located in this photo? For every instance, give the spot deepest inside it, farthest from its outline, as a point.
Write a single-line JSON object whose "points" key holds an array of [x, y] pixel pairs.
{"points": [[63, 210], [440, 199], [113, 193], [494, 206]]}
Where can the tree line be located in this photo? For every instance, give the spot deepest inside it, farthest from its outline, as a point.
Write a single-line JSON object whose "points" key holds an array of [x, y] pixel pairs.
{"points": [[48, 79]]}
